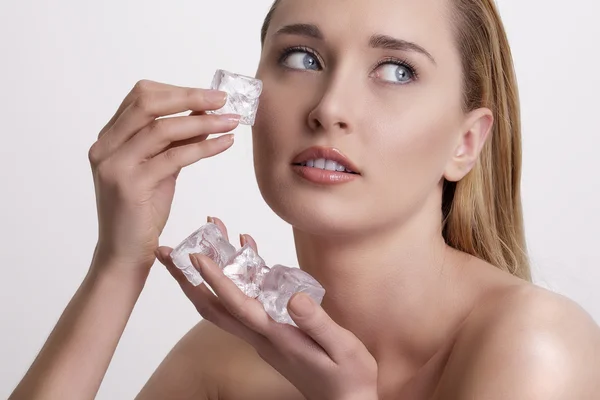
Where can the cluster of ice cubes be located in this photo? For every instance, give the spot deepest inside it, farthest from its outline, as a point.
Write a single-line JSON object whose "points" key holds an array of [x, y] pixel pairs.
{"points": [[242, 95], [273, 287]]}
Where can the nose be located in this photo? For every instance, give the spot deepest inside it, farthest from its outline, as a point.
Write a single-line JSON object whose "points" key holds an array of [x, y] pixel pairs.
{"points": [[333, 111]]}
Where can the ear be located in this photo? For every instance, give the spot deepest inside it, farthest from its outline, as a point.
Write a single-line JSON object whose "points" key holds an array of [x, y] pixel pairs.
{"points": [[475, 131]]}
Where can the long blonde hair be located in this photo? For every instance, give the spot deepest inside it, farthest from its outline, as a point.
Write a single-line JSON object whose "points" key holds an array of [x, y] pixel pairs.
{"points": [[482, 212]]}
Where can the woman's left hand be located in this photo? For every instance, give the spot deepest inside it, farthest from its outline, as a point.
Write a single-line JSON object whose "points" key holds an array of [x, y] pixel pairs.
{"points": [[320, 358]]}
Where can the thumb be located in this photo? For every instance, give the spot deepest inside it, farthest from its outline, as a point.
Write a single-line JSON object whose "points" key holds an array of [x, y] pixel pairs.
{"points": [[163, 254]]}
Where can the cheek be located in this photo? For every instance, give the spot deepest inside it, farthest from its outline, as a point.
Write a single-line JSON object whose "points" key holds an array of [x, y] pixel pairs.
{"points": [[272, 136], [279, 121], [264, 138], [416, 147]]}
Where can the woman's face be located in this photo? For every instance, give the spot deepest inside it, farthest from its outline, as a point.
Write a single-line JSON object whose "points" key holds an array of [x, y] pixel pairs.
{"points": [[379, 80]]}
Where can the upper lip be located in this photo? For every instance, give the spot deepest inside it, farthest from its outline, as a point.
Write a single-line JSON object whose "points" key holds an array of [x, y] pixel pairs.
{"points": [[328, 153]]}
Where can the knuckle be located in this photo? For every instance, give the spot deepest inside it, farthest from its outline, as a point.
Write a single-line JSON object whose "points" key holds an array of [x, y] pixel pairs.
{"points": [[142, 86], [157, 127], [94, 154], [319, 327], [190, 93], [172, 156], [351, 352], [197, 96], [143, 103]]}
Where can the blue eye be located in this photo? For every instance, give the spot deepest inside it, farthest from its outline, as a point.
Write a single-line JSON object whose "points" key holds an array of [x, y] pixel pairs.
{"points": [[396, 72], [299, 58]]}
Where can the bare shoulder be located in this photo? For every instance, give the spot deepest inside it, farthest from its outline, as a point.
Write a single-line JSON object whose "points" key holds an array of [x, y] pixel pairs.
{"points": [[528, 343], [209, 363]]}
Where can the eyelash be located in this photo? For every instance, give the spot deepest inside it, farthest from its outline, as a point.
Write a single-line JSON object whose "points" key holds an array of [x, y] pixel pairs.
{"points": [[388, 60]]}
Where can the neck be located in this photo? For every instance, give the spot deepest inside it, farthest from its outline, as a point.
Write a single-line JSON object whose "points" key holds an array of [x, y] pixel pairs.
{"points": [[396, 289]]}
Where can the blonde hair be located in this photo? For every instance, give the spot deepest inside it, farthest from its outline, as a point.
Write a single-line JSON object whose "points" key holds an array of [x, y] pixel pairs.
{"points": [[482, 212]]}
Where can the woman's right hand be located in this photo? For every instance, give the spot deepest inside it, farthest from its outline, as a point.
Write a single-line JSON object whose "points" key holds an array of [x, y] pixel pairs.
{"points": [[136, 161]]}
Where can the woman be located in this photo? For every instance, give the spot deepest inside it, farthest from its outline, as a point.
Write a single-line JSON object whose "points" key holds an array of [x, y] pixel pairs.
{"points": [[419, 242]]}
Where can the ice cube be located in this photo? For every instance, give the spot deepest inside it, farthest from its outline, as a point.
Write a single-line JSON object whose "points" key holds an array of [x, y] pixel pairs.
{"points": [[207, 240], [247, 270], [272, 287], [243, 93], [278, 287]]}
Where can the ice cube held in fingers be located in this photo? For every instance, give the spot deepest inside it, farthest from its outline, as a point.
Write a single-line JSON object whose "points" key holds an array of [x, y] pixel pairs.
{"points": [[279, 286], [207, 240], [243, 94], [247, 270], [273, 288]]}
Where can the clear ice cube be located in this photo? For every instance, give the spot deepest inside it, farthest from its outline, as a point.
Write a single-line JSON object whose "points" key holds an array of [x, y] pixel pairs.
{"points": [[247, 270], [243, 95], [272, 287], [207, 240], [279, 286]]}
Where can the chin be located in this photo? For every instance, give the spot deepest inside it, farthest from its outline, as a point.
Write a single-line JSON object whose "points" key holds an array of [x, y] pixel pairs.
{"points": [[329, 211]]}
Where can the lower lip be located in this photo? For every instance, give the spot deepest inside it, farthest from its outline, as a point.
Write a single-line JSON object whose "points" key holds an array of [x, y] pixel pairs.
{"points": [[322, 176]]}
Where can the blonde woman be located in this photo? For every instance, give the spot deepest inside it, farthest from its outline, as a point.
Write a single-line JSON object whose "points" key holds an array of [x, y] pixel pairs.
{"points": [[388, 137]]}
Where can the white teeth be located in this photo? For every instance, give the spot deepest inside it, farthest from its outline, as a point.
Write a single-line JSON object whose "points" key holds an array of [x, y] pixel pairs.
{"points": [[320, 163], [328, 165]]}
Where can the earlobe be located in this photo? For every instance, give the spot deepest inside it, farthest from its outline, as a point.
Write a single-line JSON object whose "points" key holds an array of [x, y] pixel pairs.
{"points": [[475, 132]]}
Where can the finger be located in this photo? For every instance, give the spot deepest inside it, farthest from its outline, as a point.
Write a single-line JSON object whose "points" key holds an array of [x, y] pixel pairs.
{"points": [[161, 133], [247, 239], [130, 97], [152, 104], [179, 143], [192, 140], [310, 317], [156, 103], [172, 160], [196, 139], [221, 226], [207, 304], [245, 309]]}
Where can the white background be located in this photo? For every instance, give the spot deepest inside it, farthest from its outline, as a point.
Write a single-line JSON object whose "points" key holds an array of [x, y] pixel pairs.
{"points": [[66, 65]]}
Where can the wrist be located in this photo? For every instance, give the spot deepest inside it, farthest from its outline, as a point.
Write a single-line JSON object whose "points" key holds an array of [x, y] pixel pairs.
{"points": [[105, 258], [117, 272]]}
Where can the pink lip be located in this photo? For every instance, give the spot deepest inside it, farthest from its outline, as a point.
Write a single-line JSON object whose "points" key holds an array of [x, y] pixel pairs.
{"points": [[328, 153], [321, 176]]}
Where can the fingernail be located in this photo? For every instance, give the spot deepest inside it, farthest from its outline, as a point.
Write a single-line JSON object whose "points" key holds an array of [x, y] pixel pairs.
{"points": [[216, 96], [231, 117], [210, 220], [242, 240], [226, 138], [301, 305]]}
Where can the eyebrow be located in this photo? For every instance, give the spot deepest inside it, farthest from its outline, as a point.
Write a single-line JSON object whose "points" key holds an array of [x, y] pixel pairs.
{"points": [[376, 41]]}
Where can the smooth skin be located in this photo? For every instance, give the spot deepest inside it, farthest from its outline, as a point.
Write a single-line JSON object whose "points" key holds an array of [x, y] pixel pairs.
{"points": [[429, 321]]}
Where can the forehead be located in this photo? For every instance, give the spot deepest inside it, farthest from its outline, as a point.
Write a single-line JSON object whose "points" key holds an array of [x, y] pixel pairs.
{"points": [[424, 22]]}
